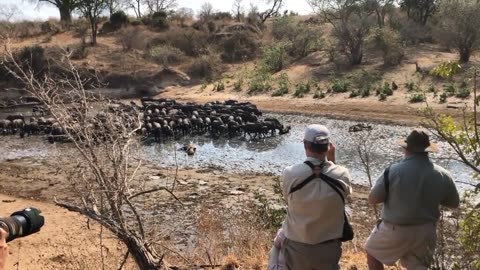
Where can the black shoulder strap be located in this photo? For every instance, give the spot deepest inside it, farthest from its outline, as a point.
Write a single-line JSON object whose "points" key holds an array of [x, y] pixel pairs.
{"points": [[306, 181], [333, 183], [386, 180]]}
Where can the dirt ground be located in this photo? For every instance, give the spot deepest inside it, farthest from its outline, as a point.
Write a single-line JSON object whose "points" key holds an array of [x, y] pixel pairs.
{"points": [[66, 242]]}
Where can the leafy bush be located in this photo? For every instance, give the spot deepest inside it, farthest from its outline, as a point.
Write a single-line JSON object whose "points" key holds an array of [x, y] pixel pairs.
{"points": [[206, 67], [166, 55], [240, 46], [432, 89], [319, 94], [259, 83], [339, 85], [446, 70], [301, 39], [411, 86], [450, 90], [463, 93], [159, 20], [382, 97], [302, 89], [32, 57], [118, 19], [237, 86], [283, 86], [443, 97], [417, 97], [219, 86], [274, 58], [388, 41], [364, 81]]}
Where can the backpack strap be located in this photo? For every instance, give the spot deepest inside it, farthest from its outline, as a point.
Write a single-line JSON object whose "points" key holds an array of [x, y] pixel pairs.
{"points": [[309, 179], [386, 180]]}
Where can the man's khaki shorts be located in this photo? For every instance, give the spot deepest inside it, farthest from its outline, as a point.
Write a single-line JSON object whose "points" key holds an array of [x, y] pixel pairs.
{"points": [[412, 245]]}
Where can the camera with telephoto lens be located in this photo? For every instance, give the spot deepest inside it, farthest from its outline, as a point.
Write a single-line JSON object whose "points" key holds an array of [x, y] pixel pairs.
{"points": [[22, 223]]}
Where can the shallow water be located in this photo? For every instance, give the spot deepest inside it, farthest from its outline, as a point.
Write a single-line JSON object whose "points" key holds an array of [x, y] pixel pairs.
{"points": [[270, 155]]}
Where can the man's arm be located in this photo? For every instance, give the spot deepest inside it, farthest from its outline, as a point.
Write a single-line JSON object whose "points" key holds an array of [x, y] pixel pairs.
{"points": [[451, 198], [377, 194]]}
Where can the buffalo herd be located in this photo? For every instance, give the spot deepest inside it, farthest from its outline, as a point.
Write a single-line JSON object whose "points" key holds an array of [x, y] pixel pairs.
{"points": [[164, 119]]}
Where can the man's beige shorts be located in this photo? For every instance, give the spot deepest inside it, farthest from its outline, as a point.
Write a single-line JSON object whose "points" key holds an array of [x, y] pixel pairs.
{"points": [[412, 245]]}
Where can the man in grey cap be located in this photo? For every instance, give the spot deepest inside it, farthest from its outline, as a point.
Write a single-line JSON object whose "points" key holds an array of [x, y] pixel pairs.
{"points": [[412, 191], [314, 224]]}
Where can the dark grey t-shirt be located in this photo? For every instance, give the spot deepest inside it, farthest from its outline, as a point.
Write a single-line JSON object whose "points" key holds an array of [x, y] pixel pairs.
{"points": [[417, 189]]}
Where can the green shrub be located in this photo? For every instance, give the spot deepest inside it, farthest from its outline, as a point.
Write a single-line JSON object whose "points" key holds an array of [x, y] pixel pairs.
{"points": [[159, 20], [446, 70], [417, 97], [450, 89], [219, 86], [387, 89], [432, 89], [283, 86], [238, 85], [443, 97], [382, 97], [411, 86], [259, 83], [354, 93], [463, 93], [302, 89], [339, 85], [319, 94], [274, 58], [388, 41], [365, 92], [166, 55], [118, 19]]}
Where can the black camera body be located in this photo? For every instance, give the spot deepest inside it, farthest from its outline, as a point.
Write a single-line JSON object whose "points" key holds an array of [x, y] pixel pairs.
{"points": [[22, 223]]}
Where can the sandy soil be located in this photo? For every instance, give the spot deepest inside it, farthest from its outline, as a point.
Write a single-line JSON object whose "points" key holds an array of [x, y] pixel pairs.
{"points": [[66, 241], [394, 111], [65, 237]]}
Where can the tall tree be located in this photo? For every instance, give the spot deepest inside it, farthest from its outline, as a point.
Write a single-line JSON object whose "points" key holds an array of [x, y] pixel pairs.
{"points": [[66, 7], [382, 8], [114, 5], [91, 10], [160, 5], [460, 26], [419, 10], [237, 10], [136, 5], [351, 21], [274, 10], [206, 11]]}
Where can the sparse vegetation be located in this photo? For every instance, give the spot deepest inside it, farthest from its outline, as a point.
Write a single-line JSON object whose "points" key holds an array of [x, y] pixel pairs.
{"points": [[259, 82], [284, 84], [166, 55], [302, 89], [274, 58], [339, 85], [205, 67], [319, 94], [240, 46], [417, 97], [238, 85], [131, 38], [446, 70], [388, 41], [219, 86]]}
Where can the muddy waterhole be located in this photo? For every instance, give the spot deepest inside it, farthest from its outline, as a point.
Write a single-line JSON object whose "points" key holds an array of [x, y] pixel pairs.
{"points": [[263, 156]]}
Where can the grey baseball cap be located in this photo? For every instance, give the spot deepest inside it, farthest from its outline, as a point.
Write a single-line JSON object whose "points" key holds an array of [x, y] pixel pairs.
{"points": [[318, 134]]}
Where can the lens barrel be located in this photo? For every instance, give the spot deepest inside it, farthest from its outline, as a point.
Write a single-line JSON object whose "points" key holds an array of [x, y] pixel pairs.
{"points": [[22, 223]]}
